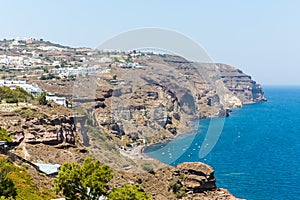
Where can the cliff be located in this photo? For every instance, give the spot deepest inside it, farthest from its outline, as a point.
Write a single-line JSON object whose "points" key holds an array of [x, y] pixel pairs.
{"points": [[118, 110], [159, 99], [186, 181], [241, 84], [40, 133]]}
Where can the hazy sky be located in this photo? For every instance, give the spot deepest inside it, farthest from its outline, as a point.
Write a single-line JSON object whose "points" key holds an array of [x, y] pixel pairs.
{"points": [[260, 37]]}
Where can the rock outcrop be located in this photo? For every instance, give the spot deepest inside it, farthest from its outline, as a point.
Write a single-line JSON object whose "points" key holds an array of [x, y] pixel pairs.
{"points": [[35, 129], [198, 177], [191, 180], [241, 84], [54, 131]]}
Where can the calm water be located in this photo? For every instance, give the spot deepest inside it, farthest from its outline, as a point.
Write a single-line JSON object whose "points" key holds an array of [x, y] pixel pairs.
{"points": [[258, 153]]}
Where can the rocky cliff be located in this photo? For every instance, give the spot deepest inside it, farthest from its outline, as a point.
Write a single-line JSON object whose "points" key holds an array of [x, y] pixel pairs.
{"points": [[159, 99], [118, 110], [33, 126], [39, 133], [241, 84], [186, 181]]}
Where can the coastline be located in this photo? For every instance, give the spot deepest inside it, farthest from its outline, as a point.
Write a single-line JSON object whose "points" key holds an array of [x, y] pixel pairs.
{"points": [[141, 148]]}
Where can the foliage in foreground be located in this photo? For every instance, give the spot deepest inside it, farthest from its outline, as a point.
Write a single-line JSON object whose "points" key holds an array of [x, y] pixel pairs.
{"points": [[16, 183], [85, 182], [89, 181], [128, 192], [7, 187]]}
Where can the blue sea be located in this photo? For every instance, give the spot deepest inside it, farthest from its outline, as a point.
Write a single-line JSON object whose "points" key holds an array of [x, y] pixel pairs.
{"points": [[257, 155]]}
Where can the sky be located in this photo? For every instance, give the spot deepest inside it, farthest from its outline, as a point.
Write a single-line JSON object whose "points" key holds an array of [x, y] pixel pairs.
{"points": [[259, 37]]}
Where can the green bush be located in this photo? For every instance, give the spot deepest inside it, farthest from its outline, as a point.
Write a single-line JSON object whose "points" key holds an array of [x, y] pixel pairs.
{"points": [[4, 135], [177, 188], [48, 77], [127, 192], [148, 168], [42, 99], [12, 100], [19, 181], [128, 144], [83, 182], [7, 187], [18, 93]]}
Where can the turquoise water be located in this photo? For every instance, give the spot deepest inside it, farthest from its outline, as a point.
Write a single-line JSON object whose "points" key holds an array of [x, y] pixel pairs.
{"points": [[258, 153]]}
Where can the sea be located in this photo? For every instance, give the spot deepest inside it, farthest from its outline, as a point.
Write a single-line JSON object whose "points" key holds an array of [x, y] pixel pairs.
{"points": [[257, 155]]}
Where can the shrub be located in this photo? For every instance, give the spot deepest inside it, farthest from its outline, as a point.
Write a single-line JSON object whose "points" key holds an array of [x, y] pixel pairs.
{"points": [[48, 77], [177, 188], [18, 93], [12, 100], [19, 181], [148, 168], [4, 135], [128, 191], [7, 187], [42, 98]]}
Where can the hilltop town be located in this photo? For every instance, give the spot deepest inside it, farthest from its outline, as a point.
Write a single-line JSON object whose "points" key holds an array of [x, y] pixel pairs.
{"points": [[109, 105]]}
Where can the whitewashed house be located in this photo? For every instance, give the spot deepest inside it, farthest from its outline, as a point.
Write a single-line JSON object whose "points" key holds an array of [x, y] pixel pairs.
{"points": [[59, 100]]}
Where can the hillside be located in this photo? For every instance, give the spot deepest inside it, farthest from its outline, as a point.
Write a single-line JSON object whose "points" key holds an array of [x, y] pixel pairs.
{"points": [[120, 102]]}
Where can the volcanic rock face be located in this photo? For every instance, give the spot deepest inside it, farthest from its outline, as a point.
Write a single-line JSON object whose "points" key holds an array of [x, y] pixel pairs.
{"points": [[199, 177], [199, 182], [54, 130], [160, 99], [240, 84], [189, 180], [59, 129]]}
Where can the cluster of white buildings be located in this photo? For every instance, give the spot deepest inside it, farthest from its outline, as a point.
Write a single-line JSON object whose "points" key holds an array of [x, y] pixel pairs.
{"points": [[66, 72], [30, 88], [19, 62], [129, 65], [51, 48]]}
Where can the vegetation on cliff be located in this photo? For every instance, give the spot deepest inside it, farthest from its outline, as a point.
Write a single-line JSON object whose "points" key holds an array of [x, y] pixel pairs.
{"points": [[16, 183], [42, 98], [13, 96], [128, 191], [4, 135], [89, 181]]}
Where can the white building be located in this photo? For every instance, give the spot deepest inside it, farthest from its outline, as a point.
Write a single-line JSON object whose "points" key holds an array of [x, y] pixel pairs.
{"points": [[74, 71], [59, 100], [51, 48]]}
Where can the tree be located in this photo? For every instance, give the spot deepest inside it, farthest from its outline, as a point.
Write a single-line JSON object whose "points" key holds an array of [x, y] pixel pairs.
{"points": [[85, 182], [42, 98], [7, 187], [128, 192]]}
